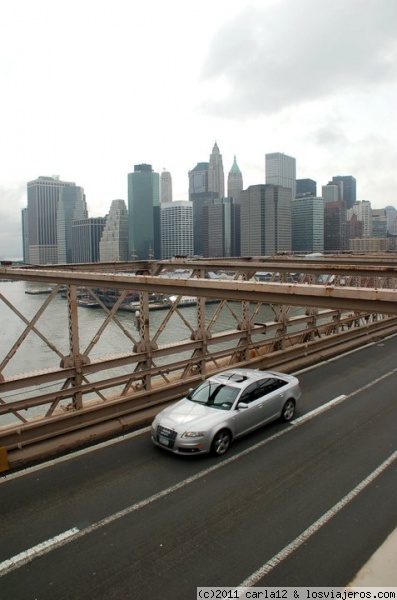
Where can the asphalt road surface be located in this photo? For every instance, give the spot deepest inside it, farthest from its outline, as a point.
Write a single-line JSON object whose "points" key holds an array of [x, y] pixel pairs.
{"points": [[298, 504]]}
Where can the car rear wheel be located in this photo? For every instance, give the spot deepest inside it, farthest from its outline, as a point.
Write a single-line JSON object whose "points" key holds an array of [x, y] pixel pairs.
{"points": [[288, 410], [220, 443]]}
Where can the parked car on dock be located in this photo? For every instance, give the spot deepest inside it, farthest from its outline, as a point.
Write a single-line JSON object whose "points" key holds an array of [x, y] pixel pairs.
{"points": [[224, 407]]}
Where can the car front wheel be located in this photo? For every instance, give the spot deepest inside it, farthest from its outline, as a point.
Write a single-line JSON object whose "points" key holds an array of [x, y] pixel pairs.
{"points": [[220, 443], [288, 410]]}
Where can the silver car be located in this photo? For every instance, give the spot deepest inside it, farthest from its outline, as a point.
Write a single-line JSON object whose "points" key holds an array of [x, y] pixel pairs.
{"points": [[223, 408]]}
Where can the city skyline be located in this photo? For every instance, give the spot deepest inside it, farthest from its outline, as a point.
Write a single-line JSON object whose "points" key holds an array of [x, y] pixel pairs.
{"points": [[259, 76]]}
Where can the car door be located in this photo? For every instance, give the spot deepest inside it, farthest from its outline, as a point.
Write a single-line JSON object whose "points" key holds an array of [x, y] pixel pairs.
{"points": [[271, 397], [250, 417]]}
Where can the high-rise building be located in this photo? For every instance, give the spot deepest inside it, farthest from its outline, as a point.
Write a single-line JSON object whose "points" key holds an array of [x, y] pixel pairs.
{"points": [[25, 235], [379, 222], [347, 185], [362, 211], [216, 177], [308, 224], [114, 241], [200, 196], [234, 182], [165, 187], [331, 192], [176, 229], [306, 187], [144, 213], [86, 235], [335, 238], [43, 200], [281, 170], [265, 220], [71, 206], [221, 228]]}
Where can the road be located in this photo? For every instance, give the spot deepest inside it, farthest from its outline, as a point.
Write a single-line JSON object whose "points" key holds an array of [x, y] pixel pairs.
{"points": [[298, 504]]}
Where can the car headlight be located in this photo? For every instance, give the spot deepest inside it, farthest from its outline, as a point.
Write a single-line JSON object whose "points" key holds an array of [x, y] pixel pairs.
{"points": [[194, 434]]}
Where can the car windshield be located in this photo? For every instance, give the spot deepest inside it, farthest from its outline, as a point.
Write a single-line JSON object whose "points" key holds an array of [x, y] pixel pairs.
{"points": [[216, 395]]}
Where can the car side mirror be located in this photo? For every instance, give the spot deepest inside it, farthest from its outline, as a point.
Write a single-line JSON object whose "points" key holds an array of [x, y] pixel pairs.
{"points": [[242, 405]]}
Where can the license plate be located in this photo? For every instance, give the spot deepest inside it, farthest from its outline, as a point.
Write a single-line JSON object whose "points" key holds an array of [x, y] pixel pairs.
{"points": [[164, 441]]}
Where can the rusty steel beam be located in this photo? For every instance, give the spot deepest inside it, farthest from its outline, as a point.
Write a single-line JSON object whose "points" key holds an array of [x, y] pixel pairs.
{"points": [[383, 300]]}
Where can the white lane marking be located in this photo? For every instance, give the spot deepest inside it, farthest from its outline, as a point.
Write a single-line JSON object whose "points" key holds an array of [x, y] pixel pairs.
{"points": [[43, 548], [134, 507], [303, 537]]}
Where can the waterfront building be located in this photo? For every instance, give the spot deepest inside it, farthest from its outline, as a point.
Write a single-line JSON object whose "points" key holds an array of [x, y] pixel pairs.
{"points": [[307, 224], [216, 177], [71, 206], [281, 170], [306, 187], [25, 235], [165, 187], [41, 244], [176, 229], [234, 182], [144, 213], [86, 235], [265, 217], [113, 245]]}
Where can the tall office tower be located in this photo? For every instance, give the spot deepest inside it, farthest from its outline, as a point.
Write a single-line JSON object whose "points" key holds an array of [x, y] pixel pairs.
{"points": [[221, 228], [25, 235], [165, 187], [348, 189], [265, 220], [335, 239], [114, 241], [144, 213], [308, 224], [216, 178], [331, 192], [71, 206], [306, 187], [354, 229], [43, 201], [281, 170], [362, 211], [234, 182], [200, 195], [86, 235], [379, 222], [176, 229]]}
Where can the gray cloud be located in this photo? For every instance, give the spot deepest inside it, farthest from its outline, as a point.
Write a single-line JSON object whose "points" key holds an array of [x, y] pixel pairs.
{"points": [[293, 52]]}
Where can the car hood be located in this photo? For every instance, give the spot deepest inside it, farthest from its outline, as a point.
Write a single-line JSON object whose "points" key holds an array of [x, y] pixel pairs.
{"points": [[190, 413]]}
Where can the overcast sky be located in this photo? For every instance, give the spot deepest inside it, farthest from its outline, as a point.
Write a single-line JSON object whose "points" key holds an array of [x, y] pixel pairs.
{"points": [[89, 88]]}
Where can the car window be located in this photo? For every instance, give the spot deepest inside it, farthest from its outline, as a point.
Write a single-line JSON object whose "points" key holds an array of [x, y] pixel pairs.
{"points": [[214, 394], [270, 384], [250, 393]]}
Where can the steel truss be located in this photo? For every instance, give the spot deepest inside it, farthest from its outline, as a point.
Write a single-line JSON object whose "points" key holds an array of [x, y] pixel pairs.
{"points": [[277, 310]]}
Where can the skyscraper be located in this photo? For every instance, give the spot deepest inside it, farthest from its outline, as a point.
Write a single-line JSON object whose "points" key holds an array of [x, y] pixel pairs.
{"points": [[165, 187], [265, 220], [71, 206], [41, 219], [216, 177], [347, 185], [335, 238], [114, 241], [306, 187], [308, 224], [176, 229], [221, 228], [200, 195], [362, 210], [144, 213], [86, 235], [281, 170], [234, 182]]}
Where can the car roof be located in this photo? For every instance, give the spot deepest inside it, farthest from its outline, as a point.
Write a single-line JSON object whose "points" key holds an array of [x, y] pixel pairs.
{"points": [[243, 376]]}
